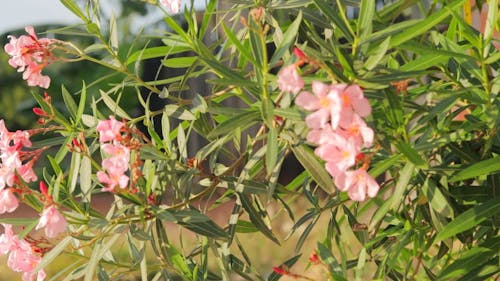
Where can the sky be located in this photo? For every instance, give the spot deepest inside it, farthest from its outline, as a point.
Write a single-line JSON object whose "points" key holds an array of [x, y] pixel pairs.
{"points": [[16, 14]]}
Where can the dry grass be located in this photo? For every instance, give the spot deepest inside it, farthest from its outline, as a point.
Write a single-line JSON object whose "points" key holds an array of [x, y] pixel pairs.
{"points": [[264, 253]]}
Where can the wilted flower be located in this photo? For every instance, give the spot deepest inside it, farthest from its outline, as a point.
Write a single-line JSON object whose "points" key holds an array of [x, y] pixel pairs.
{"points": [[289, 79]]}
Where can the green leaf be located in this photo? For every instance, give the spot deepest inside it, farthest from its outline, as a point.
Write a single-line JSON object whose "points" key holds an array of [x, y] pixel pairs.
{"points": [[18, 221], [329, 260], [436, 198], [396, 199], [470, 218], [388, 31], [113, 106], [366, 12], [81, 103], [255, 218], [470, 260], [240, 121], [86, 178], [329, 10], [257, 43], [271, 150], [237, 43], [245, 227], [425, 62], [379, 53], [425, 24], [181, 62], [54, 253], [69, 102], [411, 154], [382, 166], [287, 264], [287, 40], [73, 7], [198, 223], [313, 166], [178, 112], [361, 265], [482, 168], [155, 52], [489, 28]]}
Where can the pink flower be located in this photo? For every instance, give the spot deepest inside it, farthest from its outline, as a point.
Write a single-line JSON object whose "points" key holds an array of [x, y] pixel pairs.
{"points": [[22, 258], [30, 276], [342, 155], [33, 75], [289, 79], [173, 6], [357, 132], [31, 55], [109, 129], [10, 151], [26, 172], [53, 222], [6, 239], [357, 183], [8, 202], [324, 102], [117, 151], [8, 170], [112, 180], [353, 102], [115, 166]]}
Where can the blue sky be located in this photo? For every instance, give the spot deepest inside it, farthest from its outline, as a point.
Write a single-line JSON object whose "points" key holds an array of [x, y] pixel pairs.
{"points": [[15, 14]]}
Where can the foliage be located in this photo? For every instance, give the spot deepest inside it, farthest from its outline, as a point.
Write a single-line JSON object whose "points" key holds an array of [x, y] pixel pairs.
{"points": [[432, 82]]}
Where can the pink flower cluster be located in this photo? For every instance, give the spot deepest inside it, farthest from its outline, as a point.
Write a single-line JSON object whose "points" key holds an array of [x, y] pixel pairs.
{"points": [[22, 257], [173, 6], [117, 162], [337, 127], [31, 55], [12, 166]]}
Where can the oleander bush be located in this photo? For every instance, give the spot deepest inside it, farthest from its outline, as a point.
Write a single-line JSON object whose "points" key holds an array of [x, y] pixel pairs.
{"points": [[391, 111]]}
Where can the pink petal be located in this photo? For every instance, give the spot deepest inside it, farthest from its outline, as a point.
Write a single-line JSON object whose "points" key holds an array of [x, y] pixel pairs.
{"points": [[307, 101]]}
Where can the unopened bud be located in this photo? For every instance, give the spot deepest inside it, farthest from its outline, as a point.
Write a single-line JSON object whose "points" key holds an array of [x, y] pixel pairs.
{"points": [[44, 189], [299, 54], [40, 112]]}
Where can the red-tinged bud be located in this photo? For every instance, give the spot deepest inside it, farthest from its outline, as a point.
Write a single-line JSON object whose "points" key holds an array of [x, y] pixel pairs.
{"points": [[40, 112], [257, 13], [44, 189], [298, 53], [281, 270], [152, 199], [279, 120], [314, 258], [360, 157], [75, 142]]}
